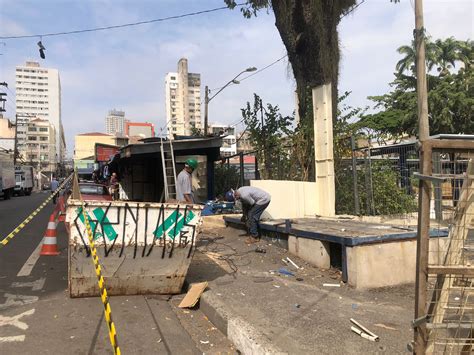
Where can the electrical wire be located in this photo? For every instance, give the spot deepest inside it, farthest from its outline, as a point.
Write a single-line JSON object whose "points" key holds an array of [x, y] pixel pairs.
{"points": [[352, 9], [113, 27]]}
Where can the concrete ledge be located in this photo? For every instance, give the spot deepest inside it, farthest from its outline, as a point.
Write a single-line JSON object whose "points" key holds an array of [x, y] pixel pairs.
{"points": [[246, 338]]}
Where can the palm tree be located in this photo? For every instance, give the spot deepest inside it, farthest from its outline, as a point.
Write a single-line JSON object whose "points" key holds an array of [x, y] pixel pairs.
{"points": [[407, 63], [447, 55], [466, 52]]}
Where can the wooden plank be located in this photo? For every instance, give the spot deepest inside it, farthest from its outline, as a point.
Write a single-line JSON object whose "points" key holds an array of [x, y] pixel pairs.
{"points": [[457, 144], [451, 270]]}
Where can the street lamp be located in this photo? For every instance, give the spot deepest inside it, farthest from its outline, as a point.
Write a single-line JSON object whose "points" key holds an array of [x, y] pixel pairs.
{"points": [[207, 99]]}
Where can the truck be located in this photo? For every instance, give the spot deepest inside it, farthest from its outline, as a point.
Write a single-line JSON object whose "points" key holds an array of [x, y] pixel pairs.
{"points": [[7, 174], [23, 180]]}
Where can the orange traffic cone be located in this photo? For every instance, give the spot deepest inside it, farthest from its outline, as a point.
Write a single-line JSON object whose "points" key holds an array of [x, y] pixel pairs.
{"points": [[62, 209], [50, 246]]}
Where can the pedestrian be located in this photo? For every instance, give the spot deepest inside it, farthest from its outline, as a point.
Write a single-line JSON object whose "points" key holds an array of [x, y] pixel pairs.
{"points": [[54, 187], [113, 186], [184, 184], [254, 201]]}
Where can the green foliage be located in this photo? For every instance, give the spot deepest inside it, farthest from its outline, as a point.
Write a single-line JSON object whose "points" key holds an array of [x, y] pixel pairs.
{"points": [[450, 93], [383, 184], [197, 132], [225, 178], [269, 131]]}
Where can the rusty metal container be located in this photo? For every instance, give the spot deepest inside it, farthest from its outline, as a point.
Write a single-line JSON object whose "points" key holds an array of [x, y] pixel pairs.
{"points": [[143, 248]]}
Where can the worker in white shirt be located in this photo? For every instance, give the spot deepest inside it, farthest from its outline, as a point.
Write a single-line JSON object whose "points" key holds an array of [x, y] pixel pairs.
{"points": [[184, 184]]}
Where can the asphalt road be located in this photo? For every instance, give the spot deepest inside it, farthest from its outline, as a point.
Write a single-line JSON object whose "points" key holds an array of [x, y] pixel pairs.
{"points": [[37, 316]]}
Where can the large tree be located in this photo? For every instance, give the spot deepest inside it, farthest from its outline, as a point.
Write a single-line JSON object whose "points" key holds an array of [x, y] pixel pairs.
{"points": [[308, 29]]}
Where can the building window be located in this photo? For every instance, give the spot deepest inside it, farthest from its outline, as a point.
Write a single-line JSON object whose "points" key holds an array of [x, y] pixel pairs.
{"points": [[173, 78], [43, 129], [31, 138], [42, 138]]}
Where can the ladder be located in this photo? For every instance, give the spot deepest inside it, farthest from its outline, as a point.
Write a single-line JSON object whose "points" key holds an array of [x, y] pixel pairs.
{"points": [[169, 170]]}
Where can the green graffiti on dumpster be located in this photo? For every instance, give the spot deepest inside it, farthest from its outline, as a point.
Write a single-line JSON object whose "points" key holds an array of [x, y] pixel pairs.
{"points": [[173, 219], [106, 227]]}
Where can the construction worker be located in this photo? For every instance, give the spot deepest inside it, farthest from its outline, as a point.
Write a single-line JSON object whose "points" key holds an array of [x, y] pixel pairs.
{"points": [[254, 202], [184, 184]]}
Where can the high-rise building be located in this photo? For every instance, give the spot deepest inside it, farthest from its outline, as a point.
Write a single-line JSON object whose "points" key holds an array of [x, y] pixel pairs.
{"points": [[115, 122], [38, 96], [41, 145], [183, 100]]}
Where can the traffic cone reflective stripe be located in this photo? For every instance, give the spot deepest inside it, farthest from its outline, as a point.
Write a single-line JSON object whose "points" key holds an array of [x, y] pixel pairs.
{"points": [[50, 246]]}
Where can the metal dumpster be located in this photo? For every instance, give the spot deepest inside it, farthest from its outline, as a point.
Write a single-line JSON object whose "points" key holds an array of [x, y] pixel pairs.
{"points": [[143, 248]]}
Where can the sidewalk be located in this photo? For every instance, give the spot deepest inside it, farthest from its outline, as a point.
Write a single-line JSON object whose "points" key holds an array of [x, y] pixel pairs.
{"points": [[263, 311]]}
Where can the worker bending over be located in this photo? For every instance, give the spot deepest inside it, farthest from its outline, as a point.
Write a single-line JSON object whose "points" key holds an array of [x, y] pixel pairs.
{"points": [[254, 202]]}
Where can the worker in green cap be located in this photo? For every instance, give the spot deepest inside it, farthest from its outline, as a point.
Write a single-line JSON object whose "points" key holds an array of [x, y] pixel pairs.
{"points": [[184, 184]]}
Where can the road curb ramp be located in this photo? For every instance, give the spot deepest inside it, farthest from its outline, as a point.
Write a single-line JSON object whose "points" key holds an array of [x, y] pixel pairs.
{"points": [[242, 334]]}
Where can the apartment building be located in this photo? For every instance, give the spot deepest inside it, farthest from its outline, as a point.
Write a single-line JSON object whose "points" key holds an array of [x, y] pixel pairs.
{"points": [[40, 147], [115, 122], [182, 100], [38, 96]]}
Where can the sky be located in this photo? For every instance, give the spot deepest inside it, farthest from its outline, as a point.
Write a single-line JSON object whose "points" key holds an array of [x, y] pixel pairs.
{"points": [[125, 68]]}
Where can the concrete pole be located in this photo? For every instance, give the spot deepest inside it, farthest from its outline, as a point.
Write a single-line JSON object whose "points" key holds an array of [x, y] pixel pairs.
{"points": [[206, 107], [324, 151], [422, 251]]}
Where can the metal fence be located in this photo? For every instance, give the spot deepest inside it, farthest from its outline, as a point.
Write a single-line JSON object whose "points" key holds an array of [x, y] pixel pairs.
{"points": [[381, 181]]}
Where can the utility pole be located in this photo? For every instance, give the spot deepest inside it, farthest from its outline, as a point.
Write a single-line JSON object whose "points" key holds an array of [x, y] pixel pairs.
{"points": [[15, 148], [206, 107], [421, 331], [264, 141]]}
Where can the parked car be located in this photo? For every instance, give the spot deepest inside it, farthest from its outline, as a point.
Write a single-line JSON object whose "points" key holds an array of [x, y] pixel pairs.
{"points": [[92, 191]]}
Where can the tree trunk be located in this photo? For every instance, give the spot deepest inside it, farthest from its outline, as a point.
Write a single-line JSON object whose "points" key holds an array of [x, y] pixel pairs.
{"points": [[308, 29]]}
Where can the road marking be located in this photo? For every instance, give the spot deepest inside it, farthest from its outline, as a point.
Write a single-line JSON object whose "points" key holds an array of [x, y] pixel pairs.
{"points": [[12, 301], [30, 263], [15, 320], [12, 339], [35, 285]]}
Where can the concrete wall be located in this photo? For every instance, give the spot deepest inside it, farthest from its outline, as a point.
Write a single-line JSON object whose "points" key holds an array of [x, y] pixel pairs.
{"points": [[290, 199], [388, 264], [313, 251]]}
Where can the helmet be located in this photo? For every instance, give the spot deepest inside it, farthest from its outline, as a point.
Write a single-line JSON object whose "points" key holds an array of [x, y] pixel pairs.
{"points": [[229, 196], [192, 163]]}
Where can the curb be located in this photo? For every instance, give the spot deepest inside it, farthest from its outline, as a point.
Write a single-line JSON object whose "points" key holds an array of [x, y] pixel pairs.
{"points": [[246, 338]]}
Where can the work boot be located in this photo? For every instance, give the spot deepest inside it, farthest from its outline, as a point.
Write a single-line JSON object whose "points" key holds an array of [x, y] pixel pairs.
{"points": [[251, 240]]}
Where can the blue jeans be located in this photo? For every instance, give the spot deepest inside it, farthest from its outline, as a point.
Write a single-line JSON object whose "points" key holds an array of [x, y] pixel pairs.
{"points": [[253, 217]]}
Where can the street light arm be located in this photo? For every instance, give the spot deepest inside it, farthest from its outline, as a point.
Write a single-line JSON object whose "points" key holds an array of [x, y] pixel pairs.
{"points": [[226, 85]]}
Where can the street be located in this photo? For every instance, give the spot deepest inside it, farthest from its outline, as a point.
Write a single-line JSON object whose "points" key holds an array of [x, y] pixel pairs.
{"points": [[38, 316]]}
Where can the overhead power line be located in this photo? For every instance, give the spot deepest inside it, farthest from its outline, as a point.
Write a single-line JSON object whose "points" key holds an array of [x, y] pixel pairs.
{"points": [[105, 28], [255, 73]]}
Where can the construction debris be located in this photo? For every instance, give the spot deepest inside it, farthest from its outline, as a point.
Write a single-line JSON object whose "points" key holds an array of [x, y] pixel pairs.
{"points": [[364, 333], [332, 285], [193, 295], [292, 263]]}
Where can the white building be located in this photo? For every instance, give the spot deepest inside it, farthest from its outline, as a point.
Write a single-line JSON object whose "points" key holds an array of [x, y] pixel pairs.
{"points": [[115, 123], [229, 142], [41, 145], [38, 95], [183, 100]]}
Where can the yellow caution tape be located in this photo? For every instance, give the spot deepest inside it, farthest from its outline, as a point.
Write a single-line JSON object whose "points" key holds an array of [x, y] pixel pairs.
{"points": [[101, 282], [28, 219]]}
